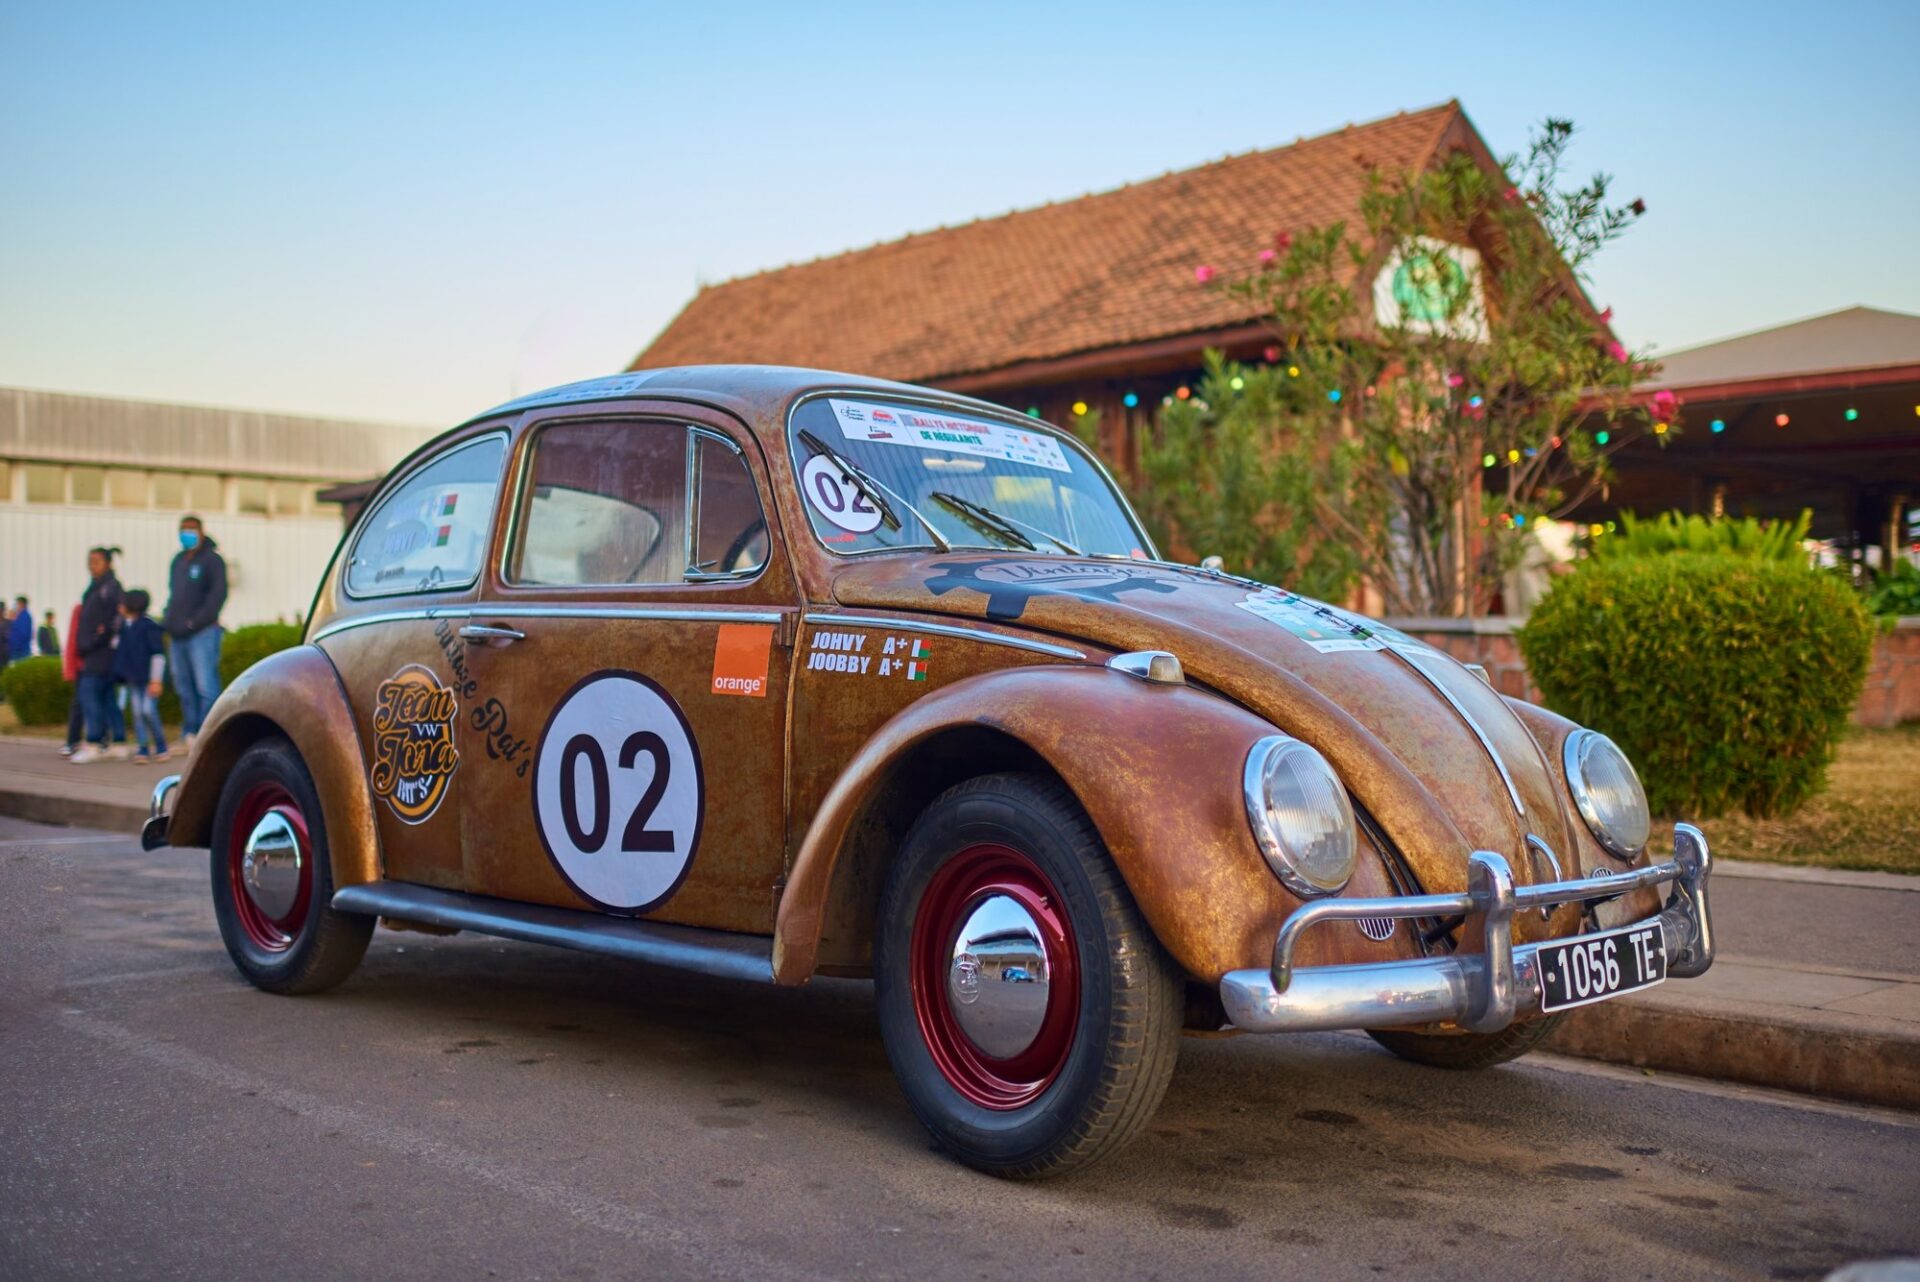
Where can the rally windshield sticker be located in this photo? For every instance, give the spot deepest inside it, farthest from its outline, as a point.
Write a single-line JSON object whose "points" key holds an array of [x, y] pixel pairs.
{"points": [[414, 756], [929, 430]]}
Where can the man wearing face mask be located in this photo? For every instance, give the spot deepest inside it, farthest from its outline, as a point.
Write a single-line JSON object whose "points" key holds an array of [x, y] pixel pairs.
{"points": [[196, 589]]}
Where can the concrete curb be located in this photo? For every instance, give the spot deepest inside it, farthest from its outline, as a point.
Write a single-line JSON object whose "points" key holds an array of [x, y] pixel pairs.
{"points": [[1867, 1062], [71, 812]]}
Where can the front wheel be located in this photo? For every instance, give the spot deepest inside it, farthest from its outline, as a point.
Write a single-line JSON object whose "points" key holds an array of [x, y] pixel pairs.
{"points": [[1467, 1050], [273, 880], [1030, 1014]]}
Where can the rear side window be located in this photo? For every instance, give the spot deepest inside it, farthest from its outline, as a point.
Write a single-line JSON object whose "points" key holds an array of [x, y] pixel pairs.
{"points": [[637, 503], [430, 535]]}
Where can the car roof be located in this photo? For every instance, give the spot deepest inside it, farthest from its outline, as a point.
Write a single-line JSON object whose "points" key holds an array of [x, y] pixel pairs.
{"points": [[757, 394]]}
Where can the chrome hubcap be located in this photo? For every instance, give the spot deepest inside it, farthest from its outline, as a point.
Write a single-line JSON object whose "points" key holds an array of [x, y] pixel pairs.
{"points": [[997, 981], [270, 868]]}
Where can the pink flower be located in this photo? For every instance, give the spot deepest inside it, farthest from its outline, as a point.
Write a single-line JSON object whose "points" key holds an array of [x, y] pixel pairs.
{"points": [[1272, 353], [1510, 195], [1606, 317], [1618, 351], [1664, 404], [1203, 273], [1267, 256], [1456, 380], [1283, 241]]}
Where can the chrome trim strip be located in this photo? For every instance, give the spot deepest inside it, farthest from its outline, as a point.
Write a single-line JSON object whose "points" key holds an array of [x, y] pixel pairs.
{"points": [[706, 952], [690, 614], [1482, 992], [1412, 659], [944, 630]]}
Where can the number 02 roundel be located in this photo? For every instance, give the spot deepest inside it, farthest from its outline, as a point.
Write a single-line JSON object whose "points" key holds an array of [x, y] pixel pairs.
{"points": [[835, 497], [618, 794]]}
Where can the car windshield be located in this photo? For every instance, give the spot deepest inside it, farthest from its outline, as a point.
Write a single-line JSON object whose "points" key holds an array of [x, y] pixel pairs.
{"points": [[880, 474]]}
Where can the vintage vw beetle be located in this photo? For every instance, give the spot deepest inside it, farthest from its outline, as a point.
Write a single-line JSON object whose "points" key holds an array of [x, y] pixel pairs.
{"points": [[768, 673]]}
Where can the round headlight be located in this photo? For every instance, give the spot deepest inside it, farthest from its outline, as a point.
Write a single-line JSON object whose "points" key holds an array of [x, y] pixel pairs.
{"points": [[1301, 816], [1608, 793]]}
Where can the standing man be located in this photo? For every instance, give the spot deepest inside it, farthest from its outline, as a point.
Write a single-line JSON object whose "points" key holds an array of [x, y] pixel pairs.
{"points": [[20, 632], [95, 627], [196, 590], [48, 642]]}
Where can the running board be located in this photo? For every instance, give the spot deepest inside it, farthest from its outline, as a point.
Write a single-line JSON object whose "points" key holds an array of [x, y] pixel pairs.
{"points": [[725, 954]]}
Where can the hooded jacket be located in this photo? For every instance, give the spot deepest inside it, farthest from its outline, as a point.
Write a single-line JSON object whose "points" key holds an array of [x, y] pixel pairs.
{"points": [[196, 589], [97, 625]]}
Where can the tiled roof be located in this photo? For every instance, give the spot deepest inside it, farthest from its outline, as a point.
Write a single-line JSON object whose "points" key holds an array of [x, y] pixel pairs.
{"points": [[1105, 270]]}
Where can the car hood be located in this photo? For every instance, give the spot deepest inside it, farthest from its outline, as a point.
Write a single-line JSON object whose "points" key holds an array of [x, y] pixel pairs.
{"points": [[1432, 752]]}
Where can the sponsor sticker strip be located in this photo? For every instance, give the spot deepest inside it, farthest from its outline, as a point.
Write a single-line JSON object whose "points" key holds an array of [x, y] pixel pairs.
{"points": [[897, 656], [927, 430]]}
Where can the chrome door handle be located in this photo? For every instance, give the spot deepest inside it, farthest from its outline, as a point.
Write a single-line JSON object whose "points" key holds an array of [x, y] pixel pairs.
{"points": [[490, 635]]}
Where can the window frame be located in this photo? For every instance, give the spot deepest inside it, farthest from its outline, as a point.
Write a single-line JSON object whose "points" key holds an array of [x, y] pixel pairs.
{"points": [[517, 517], [364, 524]]}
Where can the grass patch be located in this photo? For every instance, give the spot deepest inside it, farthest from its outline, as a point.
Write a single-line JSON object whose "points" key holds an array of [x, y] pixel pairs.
{"points": [[1867, 818]]}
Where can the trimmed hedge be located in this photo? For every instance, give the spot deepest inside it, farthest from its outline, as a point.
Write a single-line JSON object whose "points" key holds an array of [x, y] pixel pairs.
{"points": [[40, 696], [36, 691], [1726, 679]]}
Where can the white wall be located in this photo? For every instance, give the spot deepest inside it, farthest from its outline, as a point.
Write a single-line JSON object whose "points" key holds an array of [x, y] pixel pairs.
{"points": [[273, 563]]}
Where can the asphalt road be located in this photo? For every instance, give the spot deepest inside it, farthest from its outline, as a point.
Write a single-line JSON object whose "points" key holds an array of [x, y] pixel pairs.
{"points": [[468, 1109]]}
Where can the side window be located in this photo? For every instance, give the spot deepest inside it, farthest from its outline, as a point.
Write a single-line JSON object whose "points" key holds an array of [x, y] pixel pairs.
{"points": [[729, 529], [607, 505], [431, 533]]}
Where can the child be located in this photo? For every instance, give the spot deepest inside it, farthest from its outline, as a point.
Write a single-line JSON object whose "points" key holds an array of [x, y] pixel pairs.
{"points": [[140, 660]]}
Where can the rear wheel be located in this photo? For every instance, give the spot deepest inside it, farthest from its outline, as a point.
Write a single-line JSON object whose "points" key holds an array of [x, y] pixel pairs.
{"points": [[1030, 1014], [273, 880], [1467, 1050]]}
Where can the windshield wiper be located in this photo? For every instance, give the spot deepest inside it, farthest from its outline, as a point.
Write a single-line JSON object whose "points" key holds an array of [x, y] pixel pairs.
{"points": [[1001, 523], [984, 519], [871, 490]]}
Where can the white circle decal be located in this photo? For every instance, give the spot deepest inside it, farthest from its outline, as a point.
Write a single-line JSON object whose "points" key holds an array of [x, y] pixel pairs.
{"points": [[830, 493], [618, 795]]}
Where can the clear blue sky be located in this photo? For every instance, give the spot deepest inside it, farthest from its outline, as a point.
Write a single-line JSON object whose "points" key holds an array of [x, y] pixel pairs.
{"points": [[411, 211]]}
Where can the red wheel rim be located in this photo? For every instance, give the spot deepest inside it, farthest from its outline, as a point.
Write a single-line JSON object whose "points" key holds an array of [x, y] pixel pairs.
{"points": [[963, 883], [266, 930]]}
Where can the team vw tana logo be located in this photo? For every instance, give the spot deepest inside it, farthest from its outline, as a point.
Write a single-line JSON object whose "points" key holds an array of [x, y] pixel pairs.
{"points": [[1009, 583], [413, 753]]}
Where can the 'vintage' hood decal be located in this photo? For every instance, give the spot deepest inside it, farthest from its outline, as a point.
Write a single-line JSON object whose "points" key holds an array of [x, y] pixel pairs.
{"points": [[1432, 752]]}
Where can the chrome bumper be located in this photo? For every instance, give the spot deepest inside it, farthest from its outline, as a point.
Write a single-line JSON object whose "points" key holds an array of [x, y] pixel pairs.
{"points": [[153, 833], [1482, 992]]}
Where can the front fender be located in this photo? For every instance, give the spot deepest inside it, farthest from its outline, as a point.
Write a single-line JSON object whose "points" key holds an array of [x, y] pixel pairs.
{"points": [[297, 694], [1156, 767]]}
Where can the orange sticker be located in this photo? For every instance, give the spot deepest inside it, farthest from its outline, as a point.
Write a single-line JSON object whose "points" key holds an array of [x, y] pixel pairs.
{"points": [[740, 659]]}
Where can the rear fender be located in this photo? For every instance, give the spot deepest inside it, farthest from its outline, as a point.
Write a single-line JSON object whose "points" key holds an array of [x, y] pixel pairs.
{"points": [[295, 694], [1157, 768]]}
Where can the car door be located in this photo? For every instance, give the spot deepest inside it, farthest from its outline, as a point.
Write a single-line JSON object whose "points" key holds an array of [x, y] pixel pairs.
{"points": [[411, 572], [630, 656]]}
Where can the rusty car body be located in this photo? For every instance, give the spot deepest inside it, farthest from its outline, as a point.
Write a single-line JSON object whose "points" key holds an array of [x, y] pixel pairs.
{"points": [[770, 673]]}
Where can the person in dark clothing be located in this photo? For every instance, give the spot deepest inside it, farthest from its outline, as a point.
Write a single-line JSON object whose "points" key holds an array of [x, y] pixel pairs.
{"points": [[20, 632], [196, 591], [48, 642], [140, 663], [94, 633]]}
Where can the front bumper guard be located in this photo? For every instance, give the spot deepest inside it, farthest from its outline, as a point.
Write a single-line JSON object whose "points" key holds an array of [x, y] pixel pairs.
{"points": [[153, 833], [1481, 992]]}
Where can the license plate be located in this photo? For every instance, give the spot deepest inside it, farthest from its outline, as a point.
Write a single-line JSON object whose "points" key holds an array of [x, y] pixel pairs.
{"points": [[1593, 968]]}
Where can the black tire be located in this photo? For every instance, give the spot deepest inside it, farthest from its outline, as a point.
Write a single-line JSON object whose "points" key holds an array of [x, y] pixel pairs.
{"points": [[1121, 1038], [314, 947], [1467, 1050]]}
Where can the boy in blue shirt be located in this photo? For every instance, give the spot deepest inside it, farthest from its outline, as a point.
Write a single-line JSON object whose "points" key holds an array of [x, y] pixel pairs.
{"points": [[140, 660]]}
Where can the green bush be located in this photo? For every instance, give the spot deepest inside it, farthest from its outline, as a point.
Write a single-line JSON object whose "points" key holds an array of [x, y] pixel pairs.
{"points": [[1679, 532], [241, 648], [1896, 592], [36, 691], [1726, 678]]}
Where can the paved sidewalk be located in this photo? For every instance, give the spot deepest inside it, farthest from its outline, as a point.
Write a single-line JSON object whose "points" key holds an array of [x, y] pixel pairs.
{"points": [[1816, 987]]}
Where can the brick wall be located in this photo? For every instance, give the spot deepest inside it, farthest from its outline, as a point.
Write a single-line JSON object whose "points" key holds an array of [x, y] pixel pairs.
{"points": [[1891, 696]]}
